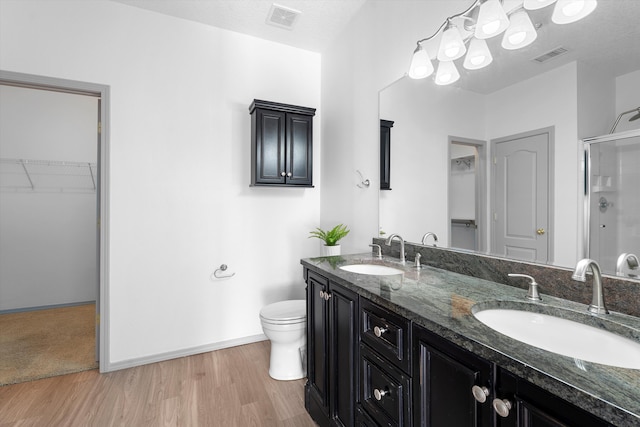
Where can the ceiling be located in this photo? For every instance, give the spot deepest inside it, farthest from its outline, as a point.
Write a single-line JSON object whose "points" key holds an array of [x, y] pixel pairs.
{"points": [[318, 24], [606, 40]]}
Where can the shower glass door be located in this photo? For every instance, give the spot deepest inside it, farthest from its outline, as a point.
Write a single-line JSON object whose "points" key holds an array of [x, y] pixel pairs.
{"points": [[612, 202]]}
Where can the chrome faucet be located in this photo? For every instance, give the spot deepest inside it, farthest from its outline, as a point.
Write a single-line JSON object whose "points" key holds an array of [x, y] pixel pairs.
{"points": [[631, 262], [388, 243], [426, 235], [580, 274], [379, 250]]}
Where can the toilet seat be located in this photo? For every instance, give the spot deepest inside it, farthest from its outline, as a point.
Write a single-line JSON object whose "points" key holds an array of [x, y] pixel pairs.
{"points": [[284, 312]]}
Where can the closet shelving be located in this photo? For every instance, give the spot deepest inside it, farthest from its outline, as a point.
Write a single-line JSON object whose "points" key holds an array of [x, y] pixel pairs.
{"points": [[22, 175]]}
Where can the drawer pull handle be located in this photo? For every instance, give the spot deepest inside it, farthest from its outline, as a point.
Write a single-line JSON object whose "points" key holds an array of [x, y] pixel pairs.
{"points": [[502, 407], [378, 331], [480, 393], [379, 394]]}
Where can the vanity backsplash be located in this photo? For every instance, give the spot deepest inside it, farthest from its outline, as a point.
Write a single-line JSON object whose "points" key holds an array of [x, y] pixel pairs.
{"points": [[620, 295]]}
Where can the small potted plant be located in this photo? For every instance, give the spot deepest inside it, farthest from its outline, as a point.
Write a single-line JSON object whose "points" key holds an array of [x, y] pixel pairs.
{"points": [[330, 238]]}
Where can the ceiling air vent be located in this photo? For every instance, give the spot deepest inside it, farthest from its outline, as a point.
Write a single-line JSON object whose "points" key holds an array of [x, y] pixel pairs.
{"points": [[551, 54], [283, 17]]}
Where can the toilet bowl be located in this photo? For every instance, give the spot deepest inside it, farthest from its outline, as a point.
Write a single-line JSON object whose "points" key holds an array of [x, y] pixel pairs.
{"points": [[285, 324]]}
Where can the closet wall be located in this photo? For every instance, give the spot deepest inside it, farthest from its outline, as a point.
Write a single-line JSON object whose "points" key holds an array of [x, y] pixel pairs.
{"points": [[48, 140]]}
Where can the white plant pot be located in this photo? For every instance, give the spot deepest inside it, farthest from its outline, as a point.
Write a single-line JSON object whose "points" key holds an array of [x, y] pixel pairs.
{"points": [[330, 250]]}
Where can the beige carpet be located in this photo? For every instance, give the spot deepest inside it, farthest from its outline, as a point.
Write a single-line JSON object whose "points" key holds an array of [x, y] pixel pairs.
{"points": [[45, 343]]}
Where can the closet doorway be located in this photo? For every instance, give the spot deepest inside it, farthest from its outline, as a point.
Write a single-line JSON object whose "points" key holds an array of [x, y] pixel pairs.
{"points": [[467, 194], [51, 239]]}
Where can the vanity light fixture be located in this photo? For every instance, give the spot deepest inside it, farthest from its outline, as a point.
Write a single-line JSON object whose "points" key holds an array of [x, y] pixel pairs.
{"points": [[520, 33], [421, 65], [451, 46], [447, 73], [482, 20], [492, 20], [479, 55], [537, 4], [568, 11]]}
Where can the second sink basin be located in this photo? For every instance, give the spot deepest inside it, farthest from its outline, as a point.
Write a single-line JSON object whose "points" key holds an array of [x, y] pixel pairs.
{"points": [[371, 269], [563, 336]]}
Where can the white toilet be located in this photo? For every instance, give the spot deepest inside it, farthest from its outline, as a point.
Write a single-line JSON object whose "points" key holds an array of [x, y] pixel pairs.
{"points": [[285, 324]]}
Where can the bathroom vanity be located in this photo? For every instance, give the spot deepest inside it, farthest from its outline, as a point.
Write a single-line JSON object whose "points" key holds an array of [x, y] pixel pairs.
{"points": [[405, 349]]}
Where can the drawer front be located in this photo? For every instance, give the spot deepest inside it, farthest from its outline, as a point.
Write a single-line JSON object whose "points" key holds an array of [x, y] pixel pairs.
{"points": [[387, 333], [385, 391]]}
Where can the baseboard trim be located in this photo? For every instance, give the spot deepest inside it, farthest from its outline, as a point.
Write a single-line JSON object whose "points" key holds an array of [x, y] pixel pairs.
{"points": [[139, 361], [45, 307]]}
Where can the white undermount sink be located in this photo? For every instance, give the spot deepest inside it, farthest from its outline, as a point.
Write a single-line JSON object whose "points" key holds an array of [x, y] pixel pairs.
{"points": [[371, 269], [563, 336]]}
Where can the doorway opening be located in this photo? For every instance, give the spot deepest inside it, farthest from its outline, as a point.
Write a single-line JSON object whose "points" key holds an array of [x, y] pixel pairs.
{"points": [[467, 194], [58, 210]]}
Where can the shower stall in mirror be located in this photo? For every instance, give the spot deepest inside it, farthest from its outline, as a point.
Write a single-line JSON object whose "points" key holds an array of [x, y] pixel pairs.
{"points": [[612, 201]]}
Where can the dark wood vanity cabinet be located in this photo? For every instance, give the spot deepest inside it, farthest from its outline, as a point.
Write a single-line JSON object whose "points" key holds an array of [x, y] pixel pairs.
{"points": [[444, 379], [526, 405], [332, 351], [281, 144], [370, 366], [385, 365], [385, 154]]}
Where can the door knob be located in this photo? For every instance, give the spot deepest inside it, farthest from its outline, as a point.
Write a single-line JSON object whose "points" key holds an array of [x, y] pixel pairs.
{"points": [[540, 231]]}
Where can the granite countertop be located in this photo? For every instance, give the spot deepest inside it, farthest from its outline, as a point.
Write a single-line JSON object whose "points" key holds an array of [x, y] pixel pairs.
{"points": [[442, 302]]}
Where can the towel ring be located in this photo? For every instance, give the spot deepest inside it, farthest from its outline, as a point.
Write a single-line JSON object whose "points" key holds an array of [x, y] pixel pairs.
{"points": [[218, 273]]}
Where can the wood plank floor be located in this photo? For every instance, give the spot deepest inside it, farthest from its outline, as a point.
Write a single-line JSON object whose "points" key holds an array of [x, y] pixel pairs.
{"points": [[229, 387]]}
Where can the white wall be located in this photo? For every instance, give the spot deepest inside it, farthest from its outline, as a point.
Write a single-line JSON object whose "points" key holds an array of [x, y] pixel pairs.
{"points": [[549, 99], [48, 234], [364, 59], [627, 98], [179, 137], [425, 116]]}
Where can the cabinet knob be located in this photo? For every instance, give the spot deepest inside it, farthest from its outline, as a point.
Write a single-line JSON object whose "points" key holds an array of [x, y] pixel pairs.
{"points": [[289, 174], [327, 295], [502, 407], [283, 174], [378, 331], [480, 393], [540, 231], [379, 394]]}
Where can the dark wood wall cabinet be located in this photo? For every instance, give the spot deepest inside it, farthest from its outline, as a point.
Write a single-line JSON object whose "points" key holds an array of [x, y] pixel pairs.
{"points": [[385, 154], [370, 366], [281, 144]]}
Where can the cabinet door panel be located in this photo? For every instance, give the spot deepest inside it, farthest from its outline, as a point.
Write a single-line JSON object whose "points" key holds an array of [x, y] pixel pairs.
{"points": [[317, 339], [344, 350], [299, 150], [446, 376], [270, 147]]}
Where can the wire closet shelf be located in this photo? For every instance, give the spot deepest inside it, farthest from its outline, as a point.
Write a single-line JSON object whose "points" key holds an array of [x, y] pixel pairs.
{"points": [[22, 175]]}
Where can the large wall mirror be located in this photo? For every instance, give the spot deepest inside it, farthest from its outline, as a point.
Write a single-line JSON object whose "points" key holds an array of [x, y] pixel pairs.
{"points": [[447, 141]]}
